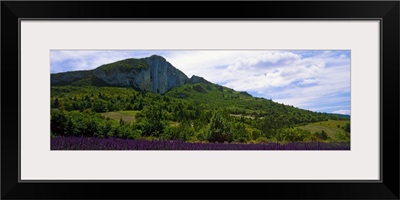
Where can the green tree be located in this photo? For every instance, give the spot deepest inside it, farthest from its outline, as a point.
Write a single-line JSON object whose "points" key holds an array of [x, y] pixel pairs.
{"points": [[347, 127], [56, 103], [219, 130], [240, 133], [293, 135], [342, 136], [321, 135], [154, 120], [100, 106], [57, 122]]}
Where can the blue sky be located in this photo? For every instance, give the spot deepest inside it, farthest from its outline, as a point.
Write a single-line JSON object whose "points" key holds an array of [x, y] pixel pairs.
{"points": [[317, 80]]}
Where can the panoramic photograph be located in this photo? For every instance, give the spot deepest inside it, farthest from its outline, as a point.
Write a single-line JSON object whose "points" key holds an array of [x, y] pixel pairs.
{"points": [[200, 100]]}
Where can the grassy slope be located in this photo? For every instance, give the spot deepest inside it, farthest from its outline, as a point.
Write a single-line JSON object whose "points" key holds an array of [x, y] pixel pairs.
{"points": [[127, 116], [330, 126]]}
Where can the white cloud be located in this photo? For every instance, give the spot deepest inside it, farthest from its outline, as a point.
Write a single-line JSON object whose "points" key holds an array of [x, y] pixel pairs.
{"points": [[330, 90], [343, 112], [84, 60], [308, 81]]}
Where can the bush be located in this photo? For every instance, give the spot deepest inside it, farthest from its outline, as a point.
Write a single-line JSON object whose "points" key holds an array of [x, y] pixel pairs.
{"points": [[347, 127], [322, 135], [293, 135], [153, 120], [255, 134], [219, 130], [342, 136], [80, 124], [240, 133]]}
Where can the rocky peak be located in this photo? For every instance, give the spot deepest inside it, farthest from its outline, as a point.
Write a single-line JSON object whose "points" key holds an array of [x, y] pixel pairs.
{"points": [[197, 79], [156, 57]]}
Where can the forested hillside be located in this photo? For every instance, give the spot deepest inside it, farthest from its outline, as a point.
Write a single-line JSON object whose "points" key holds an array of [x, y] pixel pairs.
{"points": [[217, 115]]}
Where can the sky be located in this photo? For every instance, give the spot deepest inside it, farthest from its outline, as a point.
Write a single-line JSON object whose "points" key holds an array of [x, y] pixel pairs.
{"points": [[316, 80]]}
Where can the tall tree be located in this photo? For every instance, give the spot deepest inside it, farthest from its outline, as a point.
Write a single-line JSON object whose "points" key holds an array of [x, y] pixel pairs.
{"points": [[219, 130]]}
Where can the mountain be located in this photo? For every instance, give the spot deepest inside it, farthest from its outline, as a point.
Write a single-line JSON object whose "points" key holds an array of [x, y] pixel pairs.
{"points": [[155, 74], [150, 74]]}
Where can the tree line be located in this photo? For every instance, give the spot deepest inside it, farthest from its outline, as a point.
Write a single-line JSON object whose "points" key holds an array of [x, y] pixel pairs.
{"points": [[75, 111]]}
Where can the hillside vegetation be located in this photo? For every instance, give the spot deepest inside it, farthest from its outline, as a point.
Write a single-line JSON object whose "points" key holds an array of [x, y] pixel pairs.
{"points": [[217, 114]]}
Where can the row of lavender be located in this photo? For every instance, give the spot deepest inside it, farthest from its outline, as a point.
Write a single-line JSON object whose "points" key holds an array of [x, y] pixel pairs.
{"points": [[92, 143]]}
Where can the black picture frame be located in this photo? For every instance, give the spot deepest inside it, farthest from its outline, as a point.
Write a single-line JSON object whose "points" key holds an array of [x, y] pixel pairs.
{"points": [[386, 11]]}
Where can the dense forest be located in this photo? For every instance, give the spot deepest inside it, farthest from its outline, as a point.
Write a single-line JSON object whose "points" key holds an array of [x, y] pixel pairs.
{"points": [[201, 112]]}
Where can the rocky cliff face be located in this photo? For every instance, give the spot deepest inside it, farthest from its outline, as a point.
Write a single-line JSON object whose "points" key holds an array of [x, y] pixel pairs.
{"points": [[164, 76], [197, 79], [153, 74]]}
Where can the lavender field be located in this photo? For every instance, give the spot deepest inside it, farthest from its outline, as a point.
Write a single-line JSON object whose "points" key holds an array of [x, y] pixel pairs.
{"points": [[96, 143]]}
